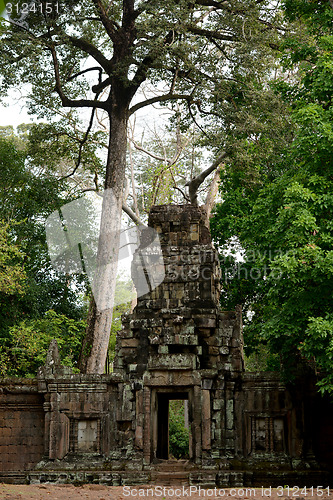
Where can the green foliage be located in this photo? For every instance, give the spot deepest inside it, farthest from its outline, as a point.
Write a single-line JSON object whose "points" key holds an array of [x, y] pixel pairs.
{"points": [[54, 148], [262, 360], [29, 341], [219, 57], [12, 274], [18, 137], [318, 347], [5, 361], [216, 55], [29, 287], [178, 433], [282, 221]]}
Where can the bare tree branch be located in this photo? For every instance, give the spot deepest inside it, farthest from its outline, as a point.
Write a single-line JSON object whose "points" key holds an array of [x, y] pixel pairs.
{"points": [[101, 86], [132, 215], [210, 34], [162, 98], [82, 142], [93, 51], [72, 103], [223, 5], [109, 25], [173, 83], [194, 119], [135, 198], [125, 208], [213, 3], [94, 105], [87, 190], [149, 153], [194, 184], [126, 189], [178, 188], [95, 68]]}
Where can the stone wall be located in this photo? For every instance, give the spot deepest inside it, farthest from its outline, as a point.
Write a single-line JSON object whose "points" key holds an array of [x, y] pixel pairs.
{"points": [[21, 426]]}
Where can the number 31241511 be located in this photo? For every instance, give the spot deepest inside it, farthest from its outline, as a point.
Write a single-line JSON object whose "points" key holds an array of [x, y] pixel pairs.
{"points": [[25, 8]]}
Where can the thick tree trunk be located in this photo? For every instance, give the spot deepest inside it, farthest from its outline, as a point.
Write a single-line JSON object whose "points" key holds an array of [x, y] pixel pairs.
{"points": [[95, 346]]}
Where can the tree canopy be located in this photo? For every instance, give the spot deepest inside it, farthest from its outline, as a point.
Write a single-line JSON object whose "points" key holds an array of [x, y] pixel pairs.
{"points": [[33, 297], [283, 219]]}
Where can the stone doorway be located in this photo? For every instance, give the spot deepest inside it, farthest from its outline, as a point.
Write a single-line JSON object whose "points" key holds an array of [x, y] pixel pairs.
{"points": [[163, 422]]}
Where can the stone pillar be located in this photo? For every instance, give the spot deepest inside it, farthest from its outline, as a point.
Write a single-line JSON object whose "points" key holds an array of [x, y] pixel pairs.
{"points": [[206, 420], [59, 430], [147, 426]]}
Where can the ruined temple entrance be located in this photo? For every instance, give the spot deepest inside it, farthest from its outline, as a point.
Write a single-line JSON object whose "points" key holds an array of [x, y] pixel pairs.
{"points": [[162, 422]]}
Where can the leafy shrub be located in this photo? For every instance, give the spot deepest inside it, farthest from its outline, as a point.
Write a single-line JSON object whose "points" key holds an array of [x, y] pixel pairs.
{"points": [[29, 342], [178, 434]]}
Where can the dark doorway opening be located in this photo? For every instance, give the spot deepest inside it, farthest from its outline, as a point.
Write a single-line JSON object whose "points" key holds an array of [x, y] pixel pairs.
{"points": [[173, 434]]}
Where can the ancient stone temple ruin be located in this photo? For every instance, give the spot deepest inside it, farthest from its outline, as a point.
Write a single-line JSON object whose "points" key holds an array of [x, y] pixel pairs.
{"points": [[245, 428]]}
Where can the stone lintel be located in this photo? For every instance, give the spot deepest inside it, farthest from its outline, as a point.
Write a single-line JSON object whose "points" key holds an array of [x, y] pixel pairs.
{"points": [[177, 378], [178, 361]]}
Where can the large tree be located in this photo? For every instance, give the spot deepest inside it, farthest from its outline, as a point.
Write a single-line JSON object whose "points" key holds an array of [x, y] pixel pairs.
{"points": [[98, 55]]}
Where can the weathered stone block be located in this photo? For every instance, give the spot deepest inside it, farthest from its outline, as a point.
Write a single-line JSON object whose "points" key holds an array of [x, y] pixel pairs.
{"points": [[224, 350], [172, 362], [230, 414], [218, 404], [130, 342]]}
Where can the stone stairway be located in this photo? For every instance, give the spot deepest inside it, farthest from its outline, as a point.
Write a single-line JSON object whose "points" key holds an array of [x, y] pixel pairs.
{"points": [[169, 478], [178, 473]]}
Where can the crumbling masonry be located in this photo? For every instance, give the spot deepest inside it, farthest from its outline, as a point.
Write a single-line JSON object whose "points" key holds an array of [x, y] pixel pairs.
{"points": [[245, 428]]}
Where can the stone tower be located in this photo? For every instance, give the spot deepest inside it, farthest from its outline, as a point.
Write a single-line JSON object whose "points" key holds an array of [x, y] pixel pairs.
{"points": [[178, 344]]}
